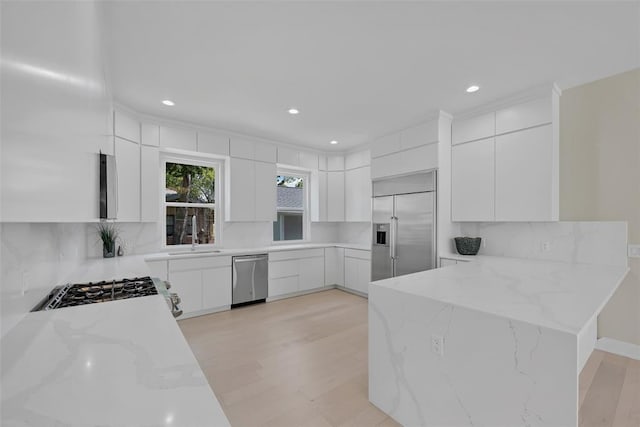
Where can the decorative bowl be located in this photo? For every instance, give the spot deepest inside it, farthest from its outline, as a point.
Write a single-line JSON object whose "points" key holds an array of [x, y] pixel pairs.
{"points": [[468, 245]]}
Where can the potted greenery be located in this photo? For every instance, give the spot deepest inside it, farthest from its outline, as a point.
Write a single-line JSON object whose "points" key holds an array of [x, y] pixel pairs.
{"points": [[108, 234]]}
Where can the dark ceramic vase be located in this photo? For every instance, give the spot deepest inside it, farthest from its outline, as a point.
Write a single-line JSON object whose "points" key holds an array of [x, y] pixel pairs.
{"points": [[468, 245]]}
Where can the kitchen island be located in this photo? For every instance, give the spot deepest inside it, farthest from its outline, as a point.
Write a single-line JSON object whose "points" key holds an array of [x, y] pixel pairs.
{"points": [[117, 363], [498, 341]]}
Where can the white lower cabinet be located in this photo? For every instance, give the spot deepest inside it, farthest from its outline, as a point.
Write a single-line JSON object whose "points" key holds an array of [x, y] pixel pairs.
{"points": [[295, 271], [357, 270], [216, 288], [334, 266], [188, 286], [201, 283]]}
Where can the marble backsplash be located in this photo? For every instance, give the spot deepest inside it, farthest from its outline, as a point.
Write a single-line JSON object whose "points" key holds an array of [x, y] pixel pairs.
{"points": [[601, 243]]}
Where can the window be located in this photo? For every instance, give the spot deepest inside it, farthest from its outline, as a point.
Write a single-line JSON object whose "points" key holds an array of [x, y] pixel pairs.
{"points": [[190, 189], [291, 204]]}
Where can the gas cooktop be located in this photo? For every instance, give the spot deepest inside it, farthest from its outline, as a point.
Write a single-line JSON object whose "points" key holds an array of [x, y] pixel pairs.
{"points": [[90, 293]]}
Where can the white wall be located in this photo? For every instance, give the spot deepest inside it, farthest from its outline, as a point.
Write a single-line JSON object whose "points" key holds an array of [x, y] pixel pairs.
{"points": [[600, 177], [55, 118]]}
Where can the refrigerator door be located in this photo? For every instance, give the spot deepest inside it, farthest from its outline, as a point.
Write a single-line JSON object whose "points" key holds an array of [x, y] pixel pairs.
{"points": [[415, 245], [381, 262]]}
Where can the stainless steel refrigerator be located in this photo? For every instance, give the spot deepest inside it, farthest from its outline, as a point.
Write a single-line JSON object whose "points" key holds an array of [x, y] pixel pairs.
{"points": [[404, 225]]}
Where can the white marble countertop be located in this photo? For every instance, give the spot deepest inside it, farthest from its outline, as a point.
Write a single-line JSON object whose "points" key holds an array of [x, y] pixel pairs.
{"points": [[119, 363], [556, 295], [205, 252], [458, 257]]}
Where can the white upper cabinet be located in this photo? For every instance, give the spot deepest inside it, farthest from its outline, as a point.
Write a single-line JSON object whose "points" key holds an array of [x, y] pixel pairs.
{"points": [[425, 133], [514, 174], [308, 160], [251, 194], [473, 128], [241, 197], [322, 162], [213, 143], [335, 163], [265, 183], [250, 149], [181, 138], [288, 156], [386, 145], [357, 159], [335, 196], [150, 134], [472, 181], [357, 187], [149, 183], [525, 115], [416, 159], [126, 127], [128, 166], [524, 175]]}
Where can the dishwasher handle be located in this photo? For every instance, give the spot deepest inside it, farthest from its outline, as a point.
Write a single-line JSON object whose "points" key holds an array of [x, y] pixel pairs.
{"points": [[249, 259]]}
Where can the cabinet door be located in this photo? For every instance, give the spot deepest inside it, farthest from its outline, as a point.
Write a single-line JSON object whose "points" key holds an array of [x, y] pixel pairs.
{"points": [[288, 156], [311, 273], [149, 183], [128, 174], [188, 286], [322, 196], [357, 185], [472, 181], [524, 177], [334, 266], [308, 160], [335, 163], [283, 286], [216, 287], [351, 273], [150, 134], [364, 276], [242, 197], [213, 143], [184, 139], [473, 128], [265, 191], [335, 196], [126, 127]]}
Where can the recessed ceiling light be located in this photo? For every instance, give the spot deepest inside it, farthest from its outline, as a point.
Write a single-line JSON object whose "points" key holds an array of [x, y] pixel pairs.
{"points": [[473, 88], [334, 142], [168, 102], [293, 111]]}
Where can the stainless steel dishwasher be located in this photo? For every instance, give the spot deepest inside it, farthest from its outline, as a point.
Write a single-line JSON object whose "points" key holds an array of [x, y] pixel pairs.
{"points": [[250, 279]]}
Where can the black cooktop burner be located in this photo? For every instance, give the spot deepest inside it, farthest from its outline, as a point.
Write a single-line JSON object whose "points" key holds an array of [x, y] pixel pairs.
{"points": [[89, 293]]}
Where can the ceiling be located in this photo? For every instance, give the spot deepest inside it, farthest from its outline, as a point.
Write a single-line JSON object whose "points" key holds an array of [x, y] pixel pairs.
{"points": [[355, 70]]}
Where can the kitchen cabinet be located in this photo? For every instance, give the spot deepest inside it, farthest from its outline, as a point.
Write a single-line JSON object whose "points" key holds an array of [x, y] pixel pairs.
{"points": [[357, 270], [335, 163], [514, 174], [150, 134], [473, 128], [213, 143], [472, 181], [335, 196], [322, 195], [245, 148], [126, 126], [149, 183], [180, 138], [252, 191], [127, 155], [265, 190], [334, 266], [288, 156], [216, 288], [524, 175], [203, 284], [295, 271], [308, 160], [414, 149], [357, 159], [357, 186]]}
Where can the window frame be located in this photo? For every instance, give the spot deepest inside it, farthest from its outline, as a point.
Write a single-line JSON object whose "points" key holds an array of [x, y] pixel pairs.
{"points": [[217, 165], [306, 217]]}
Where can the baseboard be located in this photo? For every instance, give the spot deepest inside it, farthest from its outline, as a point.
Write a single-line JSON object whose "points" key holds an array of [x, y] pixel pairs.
{"points": [[620, 348]]}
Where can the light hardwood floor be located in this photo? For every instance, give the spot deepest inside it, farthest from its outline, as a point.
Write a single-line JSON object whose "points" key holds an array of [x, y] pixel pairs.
{"points": [[303, 362]]}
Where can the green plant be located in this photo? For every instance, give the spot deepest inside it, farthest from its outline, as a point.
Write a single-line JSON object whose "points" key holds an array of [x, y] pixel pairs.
{"points": [[108, 233]]}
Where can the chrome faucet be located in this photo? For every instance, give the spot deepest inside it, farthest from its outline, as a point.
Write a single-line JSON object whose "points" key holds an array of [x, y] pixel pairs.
{"points": [[194, 233]]}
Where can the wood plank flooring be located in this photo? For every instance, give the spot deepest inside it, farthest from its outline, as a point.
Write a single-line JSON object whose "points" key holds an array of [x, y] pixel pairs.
{"points": [[303, 362]]}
